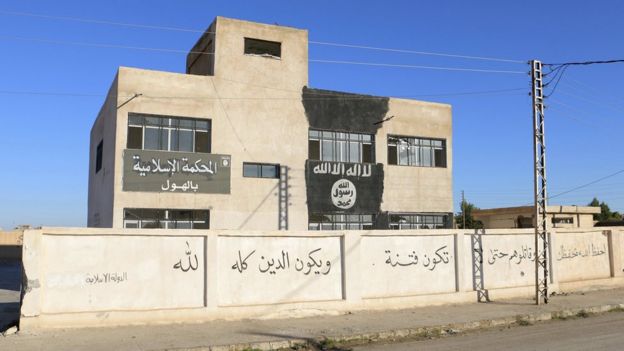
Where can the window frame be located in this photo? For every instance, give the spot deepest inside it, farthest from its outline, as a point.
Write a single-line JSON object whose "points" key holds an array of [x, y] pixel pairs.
{"points": [[418, 220], [423, 142], [337, 137], [248, 44], [172, 126], [197, 217], [260, 166], [341, 221]]}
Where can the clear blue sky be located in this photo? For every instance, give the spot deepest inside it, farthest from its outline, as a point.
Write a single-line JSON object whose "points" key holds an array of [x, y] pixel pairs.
{"points": [[44, 139]]}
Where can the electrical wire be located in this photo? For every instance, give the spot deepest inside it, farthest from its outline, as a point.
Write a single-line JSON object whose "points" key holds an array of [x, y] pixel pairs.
{"points": [[322, 96], [415, 66], [325, 43]]}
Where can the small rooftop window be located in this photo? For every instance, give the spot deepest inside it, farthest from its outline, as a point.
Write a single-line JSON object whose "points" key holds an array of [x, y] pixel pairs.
{"points": [[263, 48]]}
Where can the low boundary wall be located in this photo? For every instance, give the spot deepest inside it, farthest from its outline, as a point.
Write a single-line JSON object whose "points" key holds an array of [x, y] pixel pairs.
{"points": [[94, 277]]}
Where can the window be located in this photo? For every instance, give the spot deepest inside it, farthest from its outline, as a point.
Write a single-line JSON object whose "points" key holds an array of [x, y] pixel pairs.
{"points": [[418, 221], [340, 147], [563, 220], [340, 221], [150, 132], [420, 152], [166, 218], [98, 156], [263, 48], [261, 170]]}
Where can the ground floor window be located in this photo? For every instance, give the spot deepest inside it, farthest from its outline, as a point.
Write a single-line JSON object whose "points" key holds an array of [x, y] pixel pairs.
{"points": [[419, 221], [166, 218], [318, 221]]}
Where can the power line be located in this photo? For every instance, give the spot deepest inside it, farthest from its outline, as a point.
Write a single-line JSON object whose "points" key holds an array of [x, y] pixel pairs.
{"points": [[585, 63], [85, 20], [415, 66], [587, 184], [100, 45], [406, 51], [325, 43], [322, 96]]}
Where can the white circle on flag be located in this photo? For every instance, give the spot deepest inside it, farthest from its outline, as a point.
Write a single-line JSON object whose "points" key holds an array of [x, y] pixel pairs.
{"points": [[343, 194]]}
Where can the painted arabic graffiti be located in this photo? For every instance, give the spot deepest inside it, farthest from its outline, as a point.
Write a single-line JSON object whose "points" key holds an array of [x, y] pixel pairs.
{"points": [[428, 261], [515, 256], [311, 264], [190, 266], [568, 253], [338, 168], [105, 278], [343, 194]]}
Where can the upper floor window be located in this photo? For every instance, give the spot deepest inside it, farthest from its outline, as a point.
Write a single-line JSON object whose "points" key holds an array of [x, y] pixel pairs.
{"points": [[421, 152], [326, 145], [151, 132], [263, 48], [98, 156]]}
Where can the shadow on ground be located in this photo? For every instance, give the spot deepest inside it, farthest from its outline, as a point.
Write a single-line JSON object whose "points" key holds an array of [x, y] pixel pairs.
{"points": [[10, 284]]}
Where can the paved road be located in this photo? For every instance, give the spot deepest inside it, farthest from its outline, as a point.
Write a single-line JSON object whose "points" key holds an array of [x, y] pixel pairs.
{"points": [[597, 333]]}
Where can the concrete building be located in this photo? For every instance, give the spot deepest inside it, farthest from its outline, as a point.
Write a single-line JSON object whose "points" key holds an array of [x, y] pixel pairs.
{"points": [[241, 142], [522, 217]]}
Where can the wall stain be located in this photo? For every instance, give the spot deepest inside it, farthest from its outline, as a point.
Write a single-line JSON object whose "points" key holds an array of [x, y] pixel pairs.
{"points": [[338, 111]]}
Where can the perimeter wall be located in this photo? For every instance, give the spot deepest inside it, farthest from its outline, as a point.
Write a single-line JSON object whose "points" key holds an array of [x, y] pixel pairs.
{"points": [[78, 277]]}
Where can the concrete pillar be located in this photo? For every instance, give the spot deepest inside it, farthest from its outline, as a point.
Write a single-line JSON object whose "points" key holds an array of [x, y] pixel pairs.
{"points": [[352, 276], [211, 291], [461, 283], [615, 252]]}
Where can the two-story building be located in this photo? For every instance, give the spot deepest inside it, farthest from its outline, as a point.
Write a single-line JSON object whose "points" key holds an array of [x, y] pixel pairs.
{"points": [[241, 142]]}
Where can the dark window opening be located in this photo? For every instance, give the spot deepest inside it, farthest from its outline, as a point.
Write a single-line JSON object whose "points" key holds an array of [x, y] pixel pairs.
{"points": [[419, 221], [319, 221], [261, 170], [98, 156], [333, 146], [263, 48], [150, 132], [418, 152], [166, 218]]}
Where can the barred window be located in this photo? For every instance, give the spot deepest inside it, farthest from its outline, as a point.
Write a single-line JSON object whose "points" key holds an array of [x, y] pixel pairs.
{"points": [[419, 221], [319, 221], [151, 132], [333, 146], [166, 218], [419, 152]]}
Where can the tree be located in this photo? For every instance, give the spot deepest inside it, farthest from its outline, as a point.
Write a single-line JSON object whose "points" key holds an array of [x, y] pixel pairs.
{"points": [[471, 223], [605, 212]]}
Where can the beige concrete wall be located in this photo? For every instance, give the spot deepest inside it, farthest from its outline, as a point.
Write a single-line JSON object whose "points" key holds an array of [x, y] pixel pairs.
{"points": [[253, 202], [290, 72], [11, 245], [101, 185], [257, 115], [82, 277], [582, 255], [417, 189]]}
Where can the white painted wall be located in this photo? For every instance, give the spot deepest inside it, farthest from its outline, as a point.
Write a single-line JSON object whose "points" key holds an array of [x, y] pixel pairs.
{"points": [[88, 276]]}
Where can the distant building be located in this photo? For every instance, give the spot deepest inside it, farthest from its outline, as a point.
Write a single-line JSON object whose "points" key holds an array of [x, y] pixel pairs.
{"points": [[522, 217], [241, 142]]}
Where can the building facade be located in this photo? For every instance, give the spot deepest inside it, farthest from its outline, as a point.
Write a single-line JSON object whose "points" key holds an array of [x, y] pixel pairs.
{"points": [[241, 142], [523, 217]]}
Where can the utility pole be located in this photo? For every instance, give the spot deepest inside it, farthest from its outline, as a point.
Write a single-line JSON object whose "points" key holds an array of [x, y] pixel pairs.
{"points": [[539, 185], [463, 207]]}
